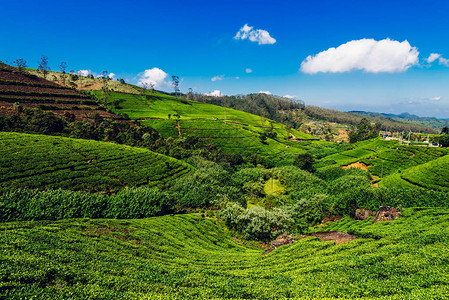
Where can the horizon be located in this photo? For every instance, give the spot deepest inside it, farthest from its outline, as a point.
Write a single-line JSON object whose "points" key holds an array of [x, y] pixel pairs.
{"points": [[386, 57]]}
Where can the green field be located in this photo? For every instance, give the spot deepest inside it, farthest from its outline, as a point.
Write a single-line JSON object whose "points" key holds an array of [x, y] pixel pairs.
{"points": [[188, 256], [40, 161]]}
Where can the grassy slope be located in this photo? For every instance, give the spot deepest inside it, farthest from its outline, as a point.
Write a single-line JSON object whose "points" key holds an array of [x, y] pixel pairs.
{"points": [[432, 175], [187, 256], [239, 134], [39, 161]]}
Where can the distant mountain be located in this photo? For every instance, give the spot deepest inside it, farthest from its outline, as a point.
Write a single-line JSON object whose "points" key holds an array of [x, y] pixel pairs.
{"points": [[426, 121]]}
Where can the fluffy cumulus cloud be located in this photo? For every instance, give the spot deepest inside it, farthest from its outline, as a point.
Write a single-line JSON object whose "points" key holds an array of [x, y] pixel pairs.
{"points": [[216, 78], [289, 96], [248, 70], [215, 93], [111, 75], [368, 55], [441, 60], [265, 92], [154, 76], [262, 37], [83, 72], [438, 98], [433, 57]]}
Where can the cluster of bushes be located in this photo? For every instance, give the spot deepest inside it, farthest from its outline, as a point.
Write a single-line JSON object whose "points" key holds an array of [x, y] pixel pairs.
{"points": [[22, 205], [309, 198]]}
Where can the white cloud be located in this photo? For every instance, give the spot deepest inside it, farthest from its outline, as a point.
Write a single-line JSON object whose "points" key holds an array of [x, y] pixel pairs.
{"points": [[432, 57], [111, 75], [154, 76], [237, 77], [215, 93], [215, 78], [83, 72], [441, 60], [265, 92], [254, 35], [368, 55], [290, 96], [248, 70], [435, 98]]}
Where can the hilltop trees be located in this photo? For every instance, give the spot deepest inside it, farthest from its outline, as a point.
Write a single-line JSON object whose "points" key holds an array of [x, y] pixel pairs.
{"points": [[43, 66], [175, 84], [62, 67], [20, 63]]}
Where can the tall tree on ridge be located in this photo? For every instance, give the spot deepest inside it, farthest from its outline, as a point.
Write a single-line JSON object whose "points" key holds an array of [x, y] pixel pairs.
{"points": [[43, 66]]}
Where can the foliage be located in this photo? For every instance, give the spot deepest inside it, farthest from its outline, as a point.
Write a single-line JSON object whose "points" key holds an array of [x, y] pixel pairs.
{"points": [[143, 202], [364, 131], [304, 161], [208, 185], [257, 223], [188, 256]]}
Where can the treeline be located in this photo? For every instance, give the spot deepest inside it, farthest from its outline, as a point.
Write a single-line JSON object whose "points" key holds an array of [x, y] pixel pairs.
{"points": [[336, 116], [268, 106]]}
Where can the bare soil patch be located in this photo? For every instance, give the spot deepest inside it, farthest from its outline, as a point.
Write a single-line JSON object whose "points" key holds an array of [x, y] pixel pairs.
{"points": [[335, 236], [357, 165]]}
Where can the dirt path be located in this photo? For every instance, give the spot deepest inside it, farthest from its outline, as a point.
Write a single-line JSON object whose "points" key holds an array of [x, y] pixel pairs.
{"points": [[178, 126]]}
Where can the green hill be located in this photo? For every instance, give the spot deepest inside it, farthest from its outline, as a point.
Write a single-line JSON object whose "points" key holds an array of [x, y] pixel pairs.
{"points": [[40, 161], [188, 256], [235, 131], [431, 175]]}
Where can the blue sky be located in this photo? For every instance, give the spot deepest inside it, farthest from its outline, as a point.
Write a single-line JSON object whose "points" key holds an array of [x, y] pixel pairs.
{"points": [[380, 62]]}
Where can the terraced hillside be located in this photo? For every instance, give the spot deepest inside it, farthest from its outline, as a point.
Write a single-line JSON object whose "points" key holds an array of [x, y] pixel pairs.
{"points": [[432, 175], [190, 257], [233, 130], [21, 89], [383, 158], [39, 161]]}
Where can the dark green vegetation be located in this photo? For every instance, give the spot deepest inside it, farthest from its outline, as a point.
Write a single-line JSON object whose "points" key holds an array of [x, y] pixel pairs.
{"points": [[426, 121], [364, 131], [39, 161], [331, 115], [188, 256]]}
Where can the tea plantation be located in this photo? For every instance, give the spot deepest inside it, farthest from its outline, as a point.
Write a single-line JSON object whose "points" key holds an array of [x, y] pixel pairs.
{"points": [[232, 130], [189, 256], [432, 175], [49, 162]]}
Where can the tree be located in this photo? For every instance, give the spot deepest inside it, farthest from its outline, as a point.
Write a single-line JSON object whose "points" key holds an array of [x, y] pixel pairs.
{"points": [[43, 66], [62, 67], [20, 63], [364, 131], [305, 162], [445, 130], [144, 87], [175, 84]]}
